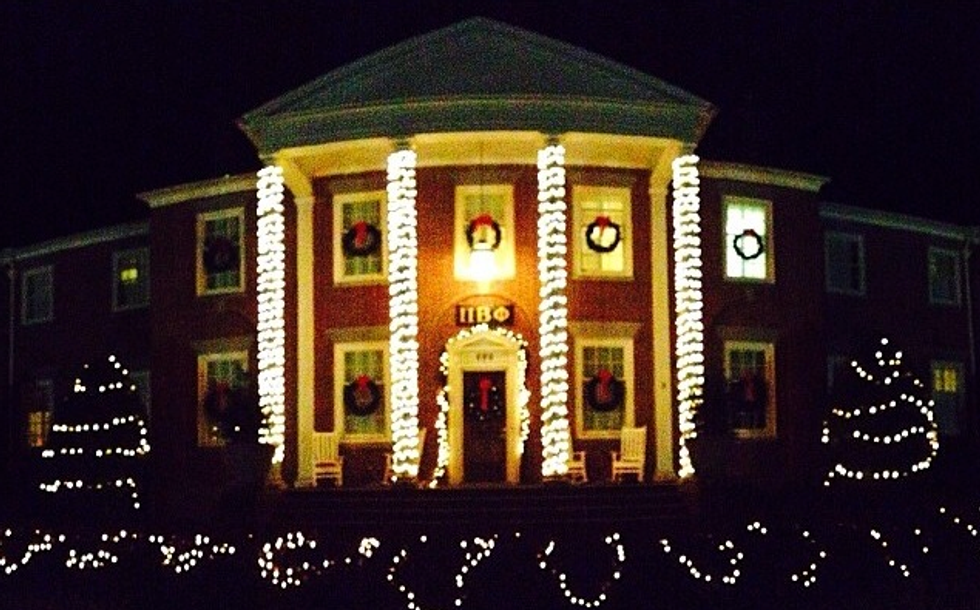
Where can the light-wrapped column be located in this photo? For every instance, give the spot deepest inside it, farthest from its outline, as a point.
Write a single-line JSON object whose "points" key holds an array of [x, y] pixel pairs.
{"points": [[403, 309], [553, 310], [688, 302], [271, 326]]}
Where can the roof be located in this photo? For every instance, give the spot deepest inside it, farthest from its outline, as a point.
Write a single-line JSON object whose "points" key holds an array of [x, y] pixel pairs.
{"points": [[78, 240], [477, 75], [198, 190], [742, 172], [898, 222]]}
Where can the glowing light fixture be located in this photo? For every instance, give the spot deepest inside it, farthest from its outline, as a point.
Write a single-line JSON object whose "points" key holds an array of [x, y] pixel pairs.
{"points": [[553, 310], [688, 302], [271, 294], [403, 307]]}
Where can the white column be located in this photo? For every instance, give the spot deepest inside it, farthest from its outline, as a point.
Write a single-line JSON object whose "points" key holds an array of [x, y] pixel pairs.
{"points": [[663, 387], [305, 329]]}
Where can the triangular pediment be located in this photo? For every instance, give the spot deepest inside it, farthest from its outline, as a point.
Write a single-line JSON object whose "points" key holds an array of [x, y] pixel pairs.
{"points": [[487, 340], [477, 74]]}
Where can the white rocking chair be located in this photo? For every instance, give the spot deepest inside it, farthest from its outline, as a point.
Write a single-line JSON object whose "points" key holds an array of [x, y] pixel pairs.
{"points": [[631, 457], [389, 475], [327, 461]]}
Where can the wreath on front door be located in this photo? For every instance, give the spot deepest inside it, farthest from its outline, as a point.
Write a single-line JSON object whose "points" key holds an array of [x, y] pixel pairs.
{"points": [[220, 254], [362, 396], [361, 239], [483, 229], [484, 400], [748, 245], [597, 229], [604, 392]]}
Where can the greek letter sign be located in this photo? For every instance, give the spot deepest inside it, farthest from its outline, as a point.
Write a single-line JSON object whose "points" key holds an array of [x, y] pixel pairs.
{"points": [[494, 314]]}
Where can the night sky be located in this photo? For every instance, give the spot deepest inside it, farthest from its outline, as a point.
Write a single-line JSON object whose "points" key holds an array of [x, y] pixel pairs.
{"points": [[102, 100]]}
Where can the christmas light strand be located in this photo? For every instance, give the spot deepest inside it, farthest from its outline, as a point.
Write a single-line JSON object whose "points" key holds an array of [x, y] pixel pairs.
{"points": [[271, 293], [546, 564], [475, 551], [403, 308], [688, 303]]}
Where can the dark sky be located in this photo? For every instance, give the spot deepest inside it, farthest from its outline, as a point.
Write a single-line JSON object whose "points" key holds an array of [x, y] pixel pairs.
{"points": [[101, 100]]}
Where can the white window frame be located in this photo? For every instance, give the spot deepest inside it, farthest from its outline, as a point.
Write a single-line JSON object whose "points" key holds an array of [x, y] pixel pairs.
{"points": [[202, 219], [629, 400], [45, 271], [959, 396], [339, 382], [504, 257], [206, 436], [142, 257], [769, 349], [846, 238], [730, 257], [935, 253], [339, 269], [582, 195]]}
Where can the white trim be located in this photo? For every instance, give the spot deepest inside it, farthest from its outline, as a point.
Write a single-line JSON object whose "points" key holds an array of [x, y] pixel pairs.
{"points": [[664, 410], [769, 349], [198, 190], [305, 344], [629, 400], [584, 193], [850, 238], [339, 277], [740, 172], [339, 379], [202, 219], [43, 270]]}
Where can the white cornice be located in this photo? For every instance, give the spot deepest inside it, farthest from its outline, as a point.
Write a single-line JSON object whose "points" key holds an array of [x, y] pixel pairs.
{"points": [[198, 190], [79, 240], [722, 170], [898, 222]]}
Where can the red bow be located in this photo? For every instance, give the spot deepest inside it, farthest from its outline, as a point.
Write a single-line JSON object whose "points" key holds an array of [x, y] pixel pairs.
{"points": [[603, 392], [602, 222], [485, 386], [483, 220], [360, 232], [362, 382]]}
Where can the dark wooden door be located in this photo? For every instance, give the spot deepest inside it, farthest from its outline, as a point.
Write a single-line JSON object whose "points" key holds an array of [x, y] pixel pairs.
{"points": [[485, 426]]}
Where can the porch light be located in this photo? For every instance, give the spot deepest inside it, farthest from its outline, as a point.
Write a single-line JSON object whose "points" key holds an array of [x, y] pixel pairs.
{"points": [[483, 264]]}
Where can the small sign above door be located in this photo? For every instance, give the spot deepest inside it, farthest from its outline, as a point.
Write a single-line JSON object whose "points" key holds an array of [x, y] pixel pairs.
{"points": [[493, 313]]}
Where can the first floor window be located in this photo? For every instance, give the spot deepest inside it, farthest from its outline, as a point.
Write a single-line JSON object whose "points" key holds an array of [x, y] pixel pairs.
{"points": [[360, 391], [750, 392], [748, 239], [218, 375], [947, 395], [37, 293], [40, 408], [604, 386], [220, 252]]}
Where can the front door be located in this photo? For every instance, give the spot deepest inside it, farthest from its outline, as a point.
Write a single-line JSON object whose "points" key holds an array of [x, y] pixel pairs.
{"points": [[485, 426]]}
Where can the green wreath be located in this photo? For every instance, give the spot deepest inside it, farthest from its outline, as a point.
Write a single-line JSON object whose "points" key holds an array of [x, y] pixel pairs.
{"points": [[604, 392], [739, 244], [483, 220], [602, 223], [220, 254], [362, 396], [361, 239]]}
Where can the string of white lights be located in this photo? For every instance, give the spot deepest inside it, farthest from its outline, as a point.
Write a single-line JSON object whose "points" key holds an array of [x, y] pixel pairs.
{"points": [[271, 295], [553, 311], [688, 303], [545, 563], [475, 551], [403, 307]]}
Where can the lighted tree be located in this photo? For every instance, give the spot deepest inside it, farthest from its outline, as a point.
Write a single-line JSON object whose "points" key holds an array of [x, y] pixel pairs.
{"points": [[98, 436], [881, 424]]}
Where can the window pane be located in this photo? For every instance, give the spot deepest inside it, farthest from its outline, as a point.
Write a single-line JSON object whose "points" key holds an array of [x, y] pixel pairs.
{"points": [[361, 213], [361, 367], [748, 391], [594, 360], [602, 208], [944, 277], [132, 279], [222, 251], [741, 218]]}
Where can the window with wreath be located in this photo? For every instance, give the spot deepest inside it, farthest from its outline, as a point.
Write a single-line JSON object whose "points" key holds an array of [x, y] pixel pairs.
{"points": [[222, 378], [944, 276], [37, 295], [748, 239], [750, 388], [604, 386], [39, 412], [602, 239], [360, 391], [130, 279], [844, 261], [358, 240], [948, 394], [221, 252], [484, 232]]}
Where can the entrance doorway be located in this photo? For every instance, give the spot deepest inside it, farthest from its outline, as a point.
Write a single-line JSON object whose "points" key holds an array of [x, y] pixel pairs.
{"points": [[485, 426]]}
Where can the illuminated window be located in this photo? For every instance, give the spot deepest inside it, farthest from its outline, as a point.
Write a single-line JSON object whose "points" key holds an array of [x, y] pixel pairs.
{"points": [[944, 277], [484, 220], [750, 392], [358, 241], [39, 413], [603, 243], [225, 370], [37, 295], [131, 279], [948, 394], [604, 386], [220, 252], [748, 239], [844, 260], [360, 391]]}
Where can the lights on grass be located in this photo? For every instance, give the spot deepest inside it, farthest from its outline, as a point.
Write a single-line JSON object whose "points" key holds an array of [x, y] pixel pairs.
{"points": [[184, 556], [688, 302], [271, 294], [553, 311], [403, 308], [546, 564], [475, 551]]}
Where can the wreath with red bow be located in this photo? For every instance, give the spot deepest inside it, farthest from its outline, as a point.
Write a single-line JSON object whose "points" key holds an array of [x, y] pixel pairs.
{"points": [[220, 254], [362, 396], [604, 392], [484, 400], [361, 239], [755, 249], [594, 241], [479, 226]]}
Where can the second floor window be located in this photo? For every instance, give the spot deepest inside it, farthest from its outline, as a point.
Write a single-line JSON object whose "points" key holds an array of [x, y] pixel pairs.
{"points": [[220, 252], [944, 277], [748, 239], [131, 279], [484, 240], [37, 295], [359, 237], [844, 257]]}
